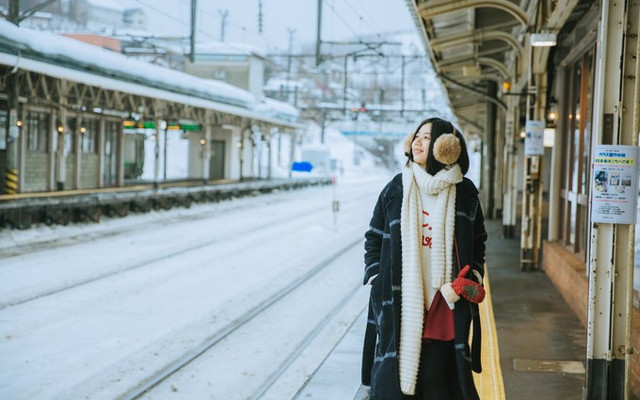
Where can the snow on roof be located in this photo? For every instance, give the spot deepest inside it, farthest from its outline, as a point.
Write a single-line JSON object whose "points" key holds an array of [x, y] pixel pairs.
{"points": [[108, 4], [278, 109], [224, 48], [73, 54]]}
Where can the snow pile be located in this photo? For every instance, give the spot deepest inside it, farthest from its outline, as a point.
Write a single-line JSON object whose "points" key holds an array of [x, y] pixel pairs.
{"points": [[278, 109], [225, 48]]}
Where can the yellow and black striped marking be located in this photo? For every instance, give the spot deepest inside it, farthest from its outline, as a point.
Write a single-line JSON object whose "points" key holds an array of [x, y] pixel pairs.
{"points": [[11, 181], [489, 383]]}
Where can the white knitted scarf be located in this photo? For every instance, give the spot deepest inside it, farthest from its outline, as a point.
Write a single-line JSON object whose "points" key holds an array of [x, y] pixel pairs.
{"points": [[443, 184]]}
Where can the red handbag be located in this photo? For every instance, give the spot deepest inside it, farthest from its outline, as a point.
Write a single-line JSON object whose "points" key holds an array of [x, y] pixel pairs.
{"points": [[438, 320]]}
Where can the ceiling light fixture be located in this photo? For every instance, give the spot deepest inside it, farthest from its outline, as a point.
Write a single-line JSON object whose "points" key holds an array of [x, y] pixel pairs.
{"points": [[543, 39]]}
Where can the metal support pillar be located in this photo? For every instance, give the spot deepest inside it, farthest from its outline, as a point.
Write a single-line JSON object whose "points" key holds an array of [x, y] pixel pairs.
{"points": [[489, 153], [101, 147], [63, 131], [268, 137], [292, 150], [615, 121], [531, 218], [499, 174], [121, 136], [532, 191], [11, 178], [77, 139], [510, 191], [206, 149], [557, 174], [51, 152], [165, 151], [156, 160]]}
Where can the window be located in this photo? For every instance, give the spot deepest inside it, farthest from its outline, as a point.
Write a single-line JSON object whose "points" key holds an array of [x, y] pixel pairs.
{"points": [[577, 160], [37, 125]]}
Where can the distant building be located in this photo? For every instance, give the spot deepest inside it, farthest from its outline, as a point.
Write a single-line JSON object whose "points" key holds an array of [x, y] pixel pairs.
{"points": [[135, 18], [89, 13], [237, 64], [83, 15], [39, 20]]}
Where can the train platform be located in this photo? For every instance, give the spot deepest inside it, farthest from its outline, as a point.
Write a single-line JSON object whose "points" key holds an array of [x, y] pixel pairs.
{"points": [[20, 211], [533, 344]]}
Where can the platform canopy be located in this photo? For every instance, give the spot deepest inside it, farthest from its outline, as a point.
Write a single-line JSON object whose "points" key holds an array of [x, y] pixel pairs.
{"points": [[64, 58]]}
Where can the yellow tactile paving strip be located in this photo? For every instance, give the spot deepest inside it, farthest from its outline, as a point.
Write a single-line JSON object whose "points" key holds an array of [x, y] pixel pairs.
{"points": [[489, 383]]}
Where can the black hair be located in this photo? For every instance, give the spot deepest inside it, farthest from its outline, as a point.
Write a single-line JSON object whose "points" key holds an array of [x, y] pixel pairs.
{"points": [[438, 127]]}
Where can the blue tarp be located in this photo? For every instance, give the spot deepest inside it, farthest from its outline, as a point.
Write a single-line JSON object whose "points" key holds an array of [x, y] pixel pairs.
{"points": [[303, 166]]}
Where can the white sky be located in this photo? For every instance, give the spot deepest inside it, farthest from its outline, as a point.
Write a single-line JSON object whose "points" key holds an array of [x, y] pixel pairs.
{"points": [[341, 19]]}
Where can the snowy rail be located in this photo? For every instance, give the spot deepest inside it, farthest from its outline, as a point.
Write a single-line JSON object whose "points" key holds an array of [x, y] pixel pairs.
{"points": [[72, 282], [240, 321], [240, 299]]}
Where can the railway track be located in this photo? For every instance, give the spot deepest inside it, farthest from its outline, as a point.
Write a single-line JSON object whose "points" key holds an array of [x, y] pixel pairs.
{"points": [[149, 359], [298, 216], [145, 386]]}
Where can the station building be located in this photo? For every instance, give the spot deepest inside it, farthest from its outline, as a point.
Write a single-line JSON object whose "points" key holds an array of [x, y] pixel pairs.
{"points": [[83, 117], [515, 71]]}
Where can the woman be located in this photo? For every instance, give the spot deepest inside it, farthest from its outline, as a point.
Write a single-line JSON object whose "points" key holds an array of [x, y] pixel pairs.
{"points": [[427, 227]]}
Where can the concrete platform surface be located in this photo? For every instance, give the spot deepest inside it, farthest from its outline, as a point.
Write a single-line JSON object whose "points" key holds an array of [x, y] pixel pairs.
{"points": [[533, 344]]}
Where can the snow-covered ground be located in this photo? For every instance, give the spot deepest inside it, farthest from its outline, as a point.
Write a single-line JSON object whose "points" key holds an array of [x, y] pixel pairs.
{"points": [[116, 301], [93, 311]]}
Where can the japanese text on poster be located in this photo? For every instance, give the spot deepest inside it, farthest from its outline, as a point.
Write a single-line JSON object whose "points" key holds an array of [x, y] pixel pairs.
{"points": [[615, 184], [534, 138]]}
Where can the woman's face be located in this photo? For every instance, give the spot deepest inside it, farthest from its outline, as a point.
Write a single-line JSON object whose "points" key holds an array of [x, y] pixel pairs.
{"points": [[420, 145]]}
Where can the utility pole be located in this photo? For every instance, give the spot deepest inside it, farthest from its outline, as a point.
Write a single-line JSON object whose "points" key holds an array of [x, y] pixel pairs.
{"points": [[318, 34], [260, 20], [192, 39], [291, 33], [14, 11], [402, 89], [223, 23], [344, 89], [324, 109]]}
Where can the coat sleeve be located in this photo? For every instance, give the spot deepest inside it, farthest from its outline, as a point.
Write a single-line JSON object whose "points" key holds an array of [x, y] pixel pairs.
{"points": [[373, 240], [479, 239]]}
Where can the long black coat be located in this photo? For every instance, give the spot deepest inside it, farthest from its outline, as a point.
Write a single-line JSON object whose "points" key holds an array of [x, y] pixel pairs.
{"points": [[383, 257]]}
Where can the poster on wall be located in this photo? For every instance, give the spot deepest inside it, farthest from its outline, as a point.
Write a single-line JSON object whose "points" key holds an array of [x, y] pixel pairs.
{"points": [[614, 191], [534, 138]]}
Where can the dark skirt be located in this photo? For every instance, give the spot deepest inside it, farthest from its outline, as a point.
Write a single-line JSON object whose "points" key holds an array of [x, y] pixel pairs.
{"points": [[437, 374]]}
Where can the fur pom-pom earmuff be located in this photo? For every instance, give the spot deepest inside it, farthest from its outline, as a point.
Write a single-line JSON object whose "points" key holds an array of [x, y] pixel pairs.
{"points": [[446, 149]]}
